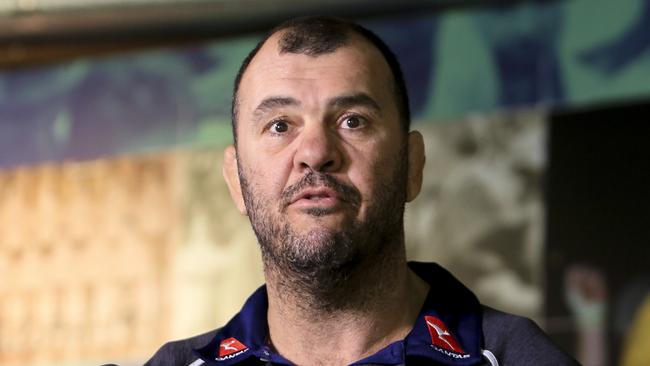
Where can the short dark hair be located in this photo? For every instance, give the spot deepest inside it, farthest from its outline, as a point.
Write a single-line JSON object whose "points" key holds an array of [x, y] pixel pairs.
{"points": [[318, 35]]}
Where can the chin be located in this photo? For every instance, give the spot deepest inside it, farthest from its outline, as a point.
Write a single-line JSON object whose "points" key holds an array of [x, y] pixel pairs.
{"points": [[321, 248]]}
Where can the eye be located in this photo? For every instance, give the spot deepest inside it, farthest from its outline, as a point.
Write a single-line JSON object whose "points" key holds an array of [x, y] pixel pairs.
{"points": [[352, 122], [279, 126]]}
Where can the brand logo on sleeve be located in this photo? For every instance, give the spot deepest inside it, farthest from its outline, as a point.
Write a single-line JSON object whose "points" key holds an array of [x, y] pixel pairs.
{"points": [[442, 340], [230, 348]]}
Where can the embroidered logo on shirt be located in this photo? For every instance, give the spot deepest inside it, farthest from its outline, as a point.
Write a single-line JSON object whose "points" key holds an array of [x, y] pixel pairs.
{"points": [[230, 348], [441, 338]]}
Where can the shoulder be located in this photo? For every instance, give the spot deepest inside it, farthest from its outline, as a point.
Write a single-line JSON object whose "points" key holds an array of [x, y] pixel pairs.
{"points": [[180, 353], [516, 340]]}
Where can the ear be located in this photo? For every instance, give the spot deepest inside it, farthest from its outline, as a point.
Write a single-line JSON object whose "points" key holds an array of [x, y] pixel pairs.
{"points": [[231, 175], [416, 165]]}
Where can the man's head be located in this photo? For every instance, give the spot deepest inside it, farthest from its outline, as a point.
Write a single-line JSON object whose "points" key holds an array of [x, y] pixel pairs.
{"points": [[324, 161]]}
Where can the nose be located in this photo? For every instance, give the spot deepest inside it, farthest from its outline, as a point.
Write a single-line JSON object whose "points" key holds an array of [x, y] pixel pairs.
{"points": [[318, 150]]}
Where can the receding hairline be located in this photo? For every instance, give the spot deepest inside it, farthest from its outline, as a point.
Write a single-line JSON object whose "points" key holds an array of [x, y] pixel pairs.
{"points": [[353, 40]]}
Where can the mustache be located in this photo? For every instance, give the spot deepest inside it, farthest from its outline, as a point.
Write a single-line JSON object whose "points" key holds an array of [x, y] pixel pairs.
{"points": [[312, 179]]}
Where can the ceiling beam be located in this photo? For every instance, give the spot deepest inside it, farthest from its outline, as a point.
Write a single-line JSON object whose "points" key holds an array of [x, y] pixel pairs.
{"points": [[35, 36]]}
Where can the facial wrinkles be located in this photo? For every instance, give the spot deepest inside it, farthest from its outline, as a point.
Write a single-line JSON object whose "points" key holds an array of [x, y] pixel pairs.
{"points": [[306, 73]]}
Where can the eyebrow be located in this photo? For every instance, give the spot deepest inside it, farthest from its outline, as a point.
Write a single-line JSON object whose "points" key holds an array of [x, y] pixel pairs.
{"points": [[343, 101], [352, 100], [271, 103]]}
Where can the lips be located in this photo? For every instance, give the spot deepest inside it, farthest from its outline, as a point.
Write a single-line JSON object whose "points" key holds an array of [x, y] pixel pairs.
{"points": [[319, 191], [316, 195]]}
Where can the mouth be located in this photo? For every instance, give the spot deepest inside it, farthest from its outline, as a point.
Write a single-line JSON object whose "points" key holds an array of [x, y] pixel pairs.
{"points": [[320, 193], [317, 195]]}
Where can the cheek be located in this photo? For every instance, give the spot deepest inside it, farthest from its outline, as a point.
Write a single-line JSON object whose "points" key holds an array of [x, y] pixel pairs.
{"points": [[267, 175], [374, 171], [366, 172]]}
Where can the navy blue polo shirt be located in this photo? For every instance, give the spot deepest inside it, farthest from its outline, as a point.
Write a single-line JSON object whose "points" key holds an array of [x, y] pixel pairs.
{"points": [[447, 330]]}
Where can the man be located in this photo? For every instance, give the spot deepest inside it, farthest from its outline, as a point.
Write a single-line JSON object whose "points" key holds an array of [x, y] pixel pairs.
{"points": [[323, 163]]}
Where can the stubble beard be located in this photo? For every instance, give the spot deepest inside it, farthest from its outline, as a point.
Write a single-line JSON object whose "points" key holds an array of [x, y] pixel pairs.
{"points": [[323, 265]]}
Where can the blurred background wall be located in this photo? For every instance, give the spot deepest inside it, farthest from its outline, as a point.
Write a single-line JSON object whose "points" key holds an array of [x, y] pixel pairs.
{"points": [[117, 232]]}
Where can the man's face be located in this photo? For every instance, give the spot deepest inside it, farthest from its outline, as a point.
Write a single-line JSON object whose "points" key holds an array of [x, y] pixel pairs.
{"points": [[321, 154]]}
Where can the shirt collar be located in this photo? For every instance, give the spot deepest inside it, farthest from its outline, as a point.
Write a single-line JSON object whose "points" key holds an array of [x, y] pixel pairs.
{"points": [[447, 330]]}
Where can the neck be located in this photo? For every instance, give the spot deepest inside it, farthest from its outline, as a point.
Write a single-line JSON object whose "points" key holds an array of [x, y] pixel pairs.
{"points": [[375, 305]]}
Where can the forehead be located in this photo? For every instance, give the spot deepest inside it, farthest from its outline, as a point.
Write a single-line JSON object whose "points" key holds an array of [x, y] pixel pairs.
{"points": [[356, 66]]}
